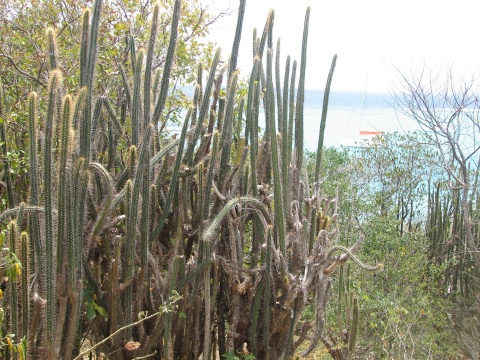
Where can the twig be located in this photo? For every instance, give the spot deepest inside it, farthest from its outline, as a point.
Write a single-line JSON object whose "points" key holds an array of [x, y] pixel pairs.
{"points": [[160, 312]]}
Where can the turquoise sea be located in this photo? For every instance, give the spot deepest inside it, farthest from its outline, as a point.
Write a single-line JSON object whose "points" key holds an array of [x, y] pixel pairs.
{"points": [[350, 113]]}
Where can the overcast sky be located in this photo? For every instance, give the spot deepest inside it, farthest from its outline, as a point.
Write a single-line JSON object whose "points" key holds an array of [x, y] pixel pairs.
{"points": [[370, 37]]}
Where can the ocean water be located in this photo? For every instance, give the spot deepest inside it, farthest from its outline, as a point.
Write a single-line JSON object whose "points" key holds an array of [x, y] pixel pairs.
{"points": [[348, 114]]}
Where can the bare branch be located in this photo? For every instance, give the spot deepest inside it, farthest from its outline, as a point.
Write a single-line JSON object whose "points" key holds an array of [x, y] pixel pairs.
{"points": [[20, 71]]}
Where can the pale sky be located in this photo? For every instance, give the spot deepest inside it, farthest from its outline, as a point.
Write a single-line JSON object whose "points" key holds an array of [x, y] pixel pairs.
{"points": [[370, 37]]}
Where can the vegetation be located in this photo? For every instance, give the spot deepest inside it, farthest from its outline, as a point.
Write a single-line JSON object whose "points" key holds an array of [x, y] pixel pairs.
{"points": [[122, 241]]}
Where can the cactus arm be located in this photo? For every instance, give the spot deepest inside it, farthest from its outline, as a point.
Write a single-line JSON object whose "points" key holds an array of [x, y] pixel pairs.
{"points": [[107, 203], [236, 41], [162, 98], [354, 326], [349, 254], [52, 48], [6, 165], [136, 97], [278, 89], [301, 95], [148, 67], [126, 86], [204, 108], [63, 179], [174, 179], [321, 135], [291, 113], [210, 175], [50, 236], [275, 153], [84, 45], [285, 136], [86, 124], [255, 204], [25, 260], [225, 138], [12, 230]]}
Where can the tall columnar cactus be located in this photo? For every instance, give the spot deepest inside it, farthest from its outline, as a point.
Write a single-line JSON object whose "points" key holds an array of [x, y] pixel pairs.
{"points": [[301, 95], [34, 198], [323, 122], [136, 97], [342, 345], [50, 235], [148, 66], [162, 97], [6, 165], [279, 199], [13, 236]]}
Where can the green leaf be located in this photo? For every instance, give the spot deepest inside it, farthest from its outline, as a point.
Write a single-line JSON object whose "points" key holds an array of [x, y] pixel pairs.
{"points": [[90, 310], [100, 309], [230, 356], [87, 294]]}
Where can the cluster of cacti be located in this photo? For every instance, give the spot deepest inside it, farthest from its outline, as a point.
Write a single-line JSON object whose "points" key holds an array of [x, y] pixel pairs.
{"points": [[342, 345], [122, 218], [445, 230]]}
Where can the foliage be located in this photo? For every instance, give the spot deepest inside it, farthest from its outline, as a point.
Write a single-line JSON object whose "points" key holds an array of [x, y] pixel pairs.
{"points": [[125, 24], [385, 189], [447, 109]]}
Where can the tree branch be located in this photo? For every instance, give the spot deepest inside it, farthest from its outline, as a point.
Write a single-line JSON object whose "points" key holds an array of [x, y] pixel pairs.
{"points": [[20, 71]]}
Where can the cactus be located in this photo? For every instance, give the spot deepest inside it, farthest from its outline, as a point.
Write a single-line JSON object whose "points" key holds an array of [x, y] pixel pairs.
{"points": [[278, 90], [50, 236], [148, 66], [84, 45], [275, 153], [6, 166], [301, 95], [62, 169], [13, 236], [34, 199], [342, 346], [87, 70], [136, 97], [135, 224], [162, 98], [226, 133], [52, 48], [291, 111], [25, 283], [323, 122]]}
